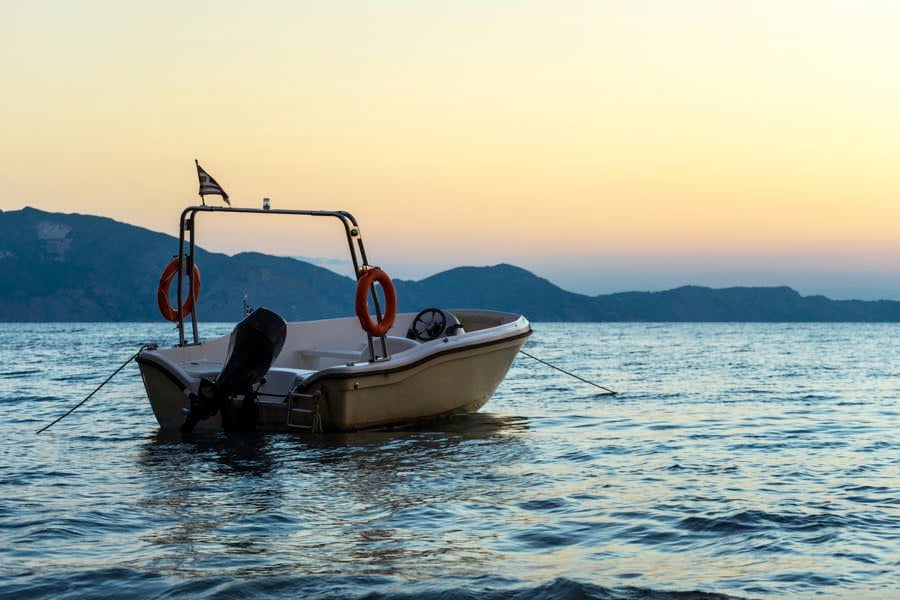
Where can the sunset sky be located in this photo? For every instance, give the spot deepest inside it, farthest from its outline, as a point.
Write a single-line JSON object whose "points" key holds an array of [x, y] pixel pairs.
{"points": [[603, 145]]}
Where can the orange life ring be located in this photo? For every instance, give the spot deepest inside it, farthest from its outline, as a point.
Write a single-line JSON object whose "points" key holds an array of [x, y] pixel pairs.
{"points": [[363, 287], [162, 293]]}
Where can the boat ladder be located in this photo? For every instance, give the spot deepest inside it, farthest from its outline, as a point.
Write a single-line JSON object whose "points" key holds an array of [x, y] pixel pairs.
{"points": [[303, 411]]}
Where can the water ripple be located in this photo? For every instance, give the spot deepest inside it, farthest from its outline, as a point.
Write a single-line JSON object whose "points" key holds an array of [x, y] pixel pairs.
{"points": [[741, 459]]}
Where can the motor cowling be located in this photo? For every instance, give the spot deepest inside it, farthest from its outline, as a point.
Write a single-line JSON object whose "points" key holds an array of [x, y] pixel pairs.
{"points": [[254, 344]]}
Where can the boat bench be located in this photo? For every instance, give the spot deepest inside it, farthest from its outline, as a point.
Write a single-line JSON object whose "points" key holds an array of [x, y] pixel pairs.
{"points": [[279, 381], [316, 359]]}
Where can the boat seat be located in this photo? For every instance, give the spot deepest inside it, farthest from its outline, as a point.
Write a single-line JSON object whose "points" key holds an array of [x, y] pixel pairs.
{"points": [[316, 358], [281, 376], [395, 345], [279, 381]]}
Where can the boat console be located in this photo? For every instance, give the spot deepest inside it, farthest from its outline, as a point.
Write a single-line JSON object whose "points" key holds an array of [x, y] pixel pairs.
{"points": [[433, 323]]}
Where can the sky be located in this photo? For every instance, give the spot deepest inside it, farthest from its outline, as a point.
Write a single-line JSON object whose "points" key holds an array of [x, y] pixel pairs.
{"points": [[606, 146]]}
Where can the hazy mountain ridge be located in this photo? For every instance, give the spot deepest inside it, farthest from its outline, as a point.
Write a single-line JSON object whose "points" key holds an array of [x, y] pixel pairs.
{"points": [[72, 267]]}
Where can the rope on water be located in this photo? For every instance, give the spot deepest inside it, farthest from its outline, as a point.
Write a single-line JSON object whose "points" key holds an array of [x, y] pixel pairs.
{"points": [[97, 389], [605, 389]]}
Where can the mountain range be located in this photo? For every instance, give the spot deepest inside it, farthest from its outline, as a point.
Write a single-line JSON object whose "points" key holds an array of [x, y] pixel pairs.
{"points": [[73, 267]]}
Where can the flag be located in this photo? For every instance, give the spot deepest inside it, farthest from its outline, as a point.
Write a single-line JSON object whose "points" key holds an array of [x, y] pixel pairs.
{"points": [[210, 186]]}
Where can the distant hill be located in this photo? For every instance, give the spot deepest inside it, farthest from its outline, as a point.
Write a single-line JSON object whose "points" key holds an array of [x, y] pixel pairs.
{"points": [[750, 304], [71, 267]]}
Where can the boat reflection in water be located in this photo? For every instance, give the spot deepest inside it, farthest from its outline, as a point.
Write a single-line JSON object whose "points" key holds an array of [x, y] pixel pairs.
{"points": [[333, 504]]}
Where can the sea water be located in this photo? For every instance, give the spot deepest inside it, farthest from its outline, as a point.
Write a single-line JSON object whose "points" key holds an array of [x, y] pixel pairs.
{"points": [[751, 460]]}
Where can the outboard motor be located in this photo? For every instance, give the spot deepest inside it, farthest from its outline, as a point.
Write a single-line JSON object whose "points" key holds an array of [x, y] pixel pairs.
{"points": [[254, 344]]}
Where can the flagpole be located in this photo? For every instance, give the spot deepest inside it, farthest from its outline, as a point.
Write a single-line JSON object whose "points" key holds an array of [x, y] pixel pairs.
{"points": [[208, 185]]}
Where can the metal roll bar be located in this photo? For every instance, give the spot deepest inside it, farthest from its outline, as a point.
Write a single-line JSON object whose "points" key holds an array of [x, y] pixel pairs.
{"points": [[188, 223]]}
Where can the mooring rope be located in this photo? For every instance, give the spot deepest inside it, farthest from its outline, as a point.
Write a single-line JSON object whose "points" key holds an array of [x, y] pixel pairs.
{"points": [[607, 390], [97, 389]]}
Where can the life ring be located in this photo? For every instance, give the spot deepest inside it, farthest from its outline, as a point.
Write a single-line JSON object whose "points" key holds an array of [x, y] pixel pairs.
{"points": [[162, 292], [363, 287]]}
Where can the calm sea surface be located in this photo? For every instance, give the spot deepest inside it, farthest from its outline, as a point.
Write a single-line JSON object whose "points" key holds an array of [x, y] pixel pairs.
{"points": [[741, 459]]}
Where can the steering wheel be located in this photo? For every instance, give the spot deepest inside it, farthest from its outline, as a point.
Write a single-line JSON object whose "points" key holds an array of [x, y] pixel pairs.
{"points": [[428, 325]]}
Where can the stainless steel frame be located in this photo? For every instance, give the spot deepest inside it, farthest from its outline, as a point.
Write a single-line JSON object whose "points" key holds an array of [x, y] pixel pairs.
{"points": [[188, 224]]}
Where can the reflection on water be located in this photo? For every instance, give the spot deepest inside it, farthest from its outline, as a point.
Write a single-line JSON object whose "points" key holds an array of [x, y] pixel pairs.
{"points": [[754, 460], [331, 501]]}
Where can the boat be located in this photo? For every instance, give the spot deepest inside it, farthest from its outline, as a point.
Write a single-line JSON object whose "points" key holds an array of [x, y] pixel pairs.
{"points": [[345, 374]]}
